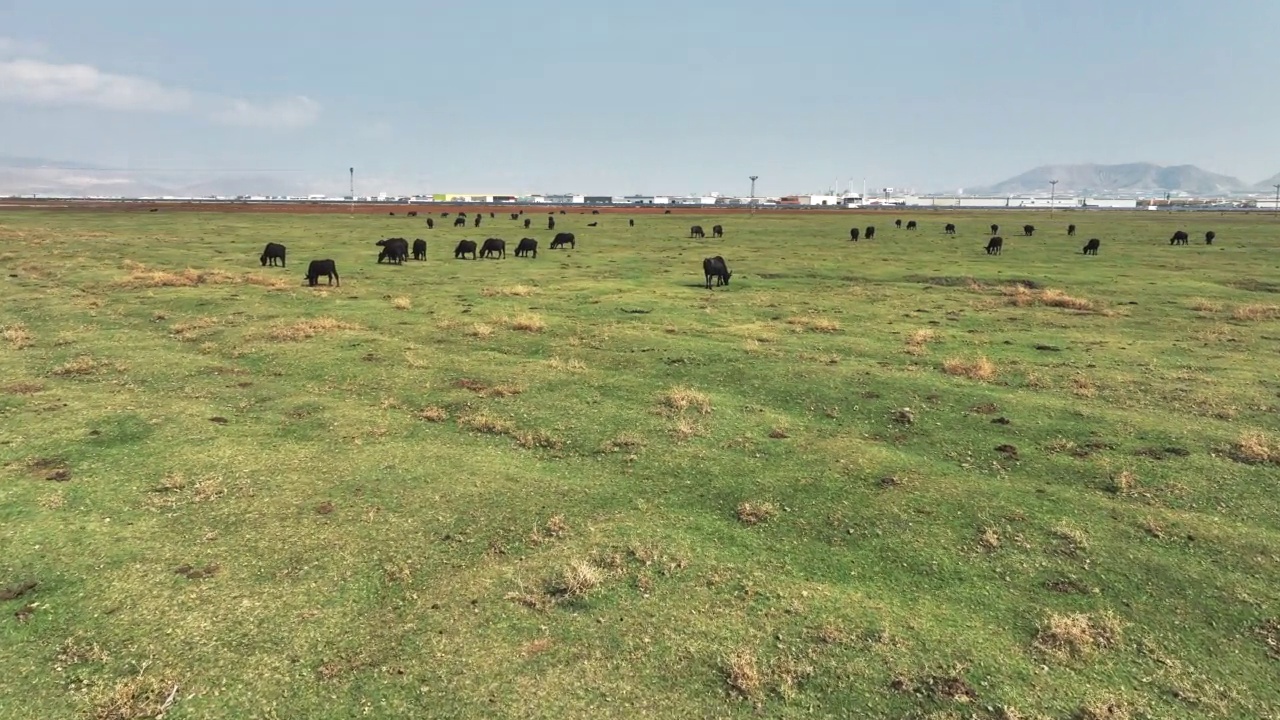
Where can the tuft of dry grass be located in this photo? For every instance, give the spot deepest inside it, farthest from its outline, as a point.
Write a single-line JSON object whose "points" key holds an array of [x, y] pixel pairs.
{"points": [[918, 341], [537, 439], [1103, 709], [742, 673], [685, 429], [577, 580], [483, 423], [22, 388], [17, 335], [401, 303], [750, 513], [527, 322], [509, 291], [679, 399], [186, 331], [1123, 483], [570, 365], [1022, 296], [625, 441], [1083, 387], [814, 324], [1074, 541], [989, 539], [1204, 305], [1254, 448], [982, 369], [138, 697], [1078, 635], [434, 414], [307, 329], [83, 365], [480, 330], [1254, 312]]}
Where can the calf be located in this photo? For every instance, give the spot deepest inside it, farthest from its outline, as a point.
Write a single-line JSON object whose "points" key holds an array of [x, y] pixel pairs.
{"points": [[994, 245], [715, 267], [515, 216], [717, 231], [431, 224], [527, 247], [950, 229], [870, 232], [494, 247], [853, 234], [1028, 230], [696, 232], [419, 249], [911, 224], [1209, 236], [271, 253], [995, 229], [526, 223], [562, 239], [317, 268], [464, 247], [490, 216], [395, 250], [460, 221], [1179, 238], [1091, 247], [1071, 231]]}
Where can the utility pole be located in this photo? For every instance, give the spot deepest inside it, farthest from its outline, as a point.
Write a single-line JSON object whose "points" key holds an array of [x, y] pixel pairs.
{"points": [[753, 194], [1276, 209], [1053, 193], [352, 173]]}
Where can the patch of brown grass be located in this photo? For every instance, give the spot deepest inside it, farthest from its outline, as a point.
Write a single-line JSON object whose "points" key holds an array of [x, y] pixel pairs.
{"points": [[527, 322], [679, 399], [570, 365], [401, 303], [629, 442], [1269, 633], [1254, 448], [1103, 709], [22, 388], [1022, 296], [434, 414], [83, 365], [1204, 305], [1254, 312], [530, 439], [577, 580], [750, 513], [982, 369], [484, 423], [1078, 635], [536, 647], [742, 672], [814, 324], [271, 282], [141, 696], [1082, 386], [685, 429], [509, 291], [918, 341], [186, 330], [1074, 541], [17, 336], [480, 330], [1124, 483], [989, 539], [307, 329]]}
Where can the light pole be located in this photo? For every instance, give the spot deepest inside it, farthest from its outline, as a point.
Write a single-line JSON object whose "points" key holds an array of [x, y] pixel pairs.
{"points": [[753, 194], [352, 173], [1276, 210], [1053, 193]]}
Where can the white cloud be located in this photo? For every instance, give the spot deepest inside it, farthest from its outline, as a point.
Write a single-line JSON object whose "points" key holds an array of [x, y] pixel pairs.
{"points": [[12, 47], [36, 82]]}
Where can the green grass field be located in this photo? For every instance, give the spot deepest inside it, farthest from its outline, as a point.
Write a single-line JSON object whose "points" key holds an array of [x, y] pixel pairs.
{"points": [[895, 478]]}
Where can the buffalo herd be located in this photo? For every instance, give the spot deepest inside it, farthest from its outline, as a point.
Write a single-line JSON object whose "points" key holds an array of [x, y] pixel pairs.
{"points": [[996, 244]]}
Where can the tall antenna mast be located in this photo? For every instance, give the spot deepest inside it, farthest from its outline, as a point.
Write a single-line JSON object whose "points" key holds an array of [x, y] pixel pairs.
{"points": [[352, 173]]}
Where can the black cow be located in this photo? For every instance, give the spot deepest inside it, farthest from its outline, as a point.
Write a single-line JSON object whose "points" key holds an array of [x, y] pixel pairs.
{"points": [[950, 229], [715, 267], [527, 247], [717, 231], [562, 239], [391, 214], [515, 216], [592, 224], [317, 268], [413, 213], [1209, 236], [853, 234], [696, 232], [1028, 230], [444, 214], [561, 212], [462, 214], [1091, 247], [494, 246], [431, 224], [631, 222], [271, 253], [595, 212], [898, 224], [551, 223], [1179, 238], [460, 221], [477, 219], [1071, 231], [870, 232], [396, 250], [490, 216], [526, 223], [419, 249], [464, 247], [666, 212], [911, 224], [995, 229], [994, 245]]}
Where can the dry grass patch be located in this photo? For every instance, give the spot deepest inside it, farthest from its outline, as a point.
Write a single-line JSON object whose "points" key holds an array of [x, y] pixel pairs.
{"points": [[307, 329], [1254, 312], [570, 365], [1073, 540], [685, 429], [401, 303], [1078, 635], [527, 322], [623, 442], [1103, 709], [530, 439], [1254, 448], [751, 514], [918, 341], [483, 423], [271, 282], [186, 331], [1123, 483], [138, 697], [678, 399], [1204, 305], [814, 324], [83, 365], [1022, 296], [17, 335], [989, 539], [480, 330], [742, 673], [434, 414], [509, 291], [577, 580], [982, 369], [1082, 386], [22, 388]]}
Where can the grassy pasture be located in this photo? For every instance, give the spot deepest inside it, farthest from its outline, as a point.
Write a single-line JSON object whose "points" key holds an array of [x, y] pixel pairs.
{"points": [[895, 478]]}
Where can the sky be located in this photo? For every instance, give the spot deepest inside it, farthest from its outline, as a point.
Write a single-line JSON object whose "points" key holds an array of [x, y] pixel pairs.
{"points": [[661, 96]]}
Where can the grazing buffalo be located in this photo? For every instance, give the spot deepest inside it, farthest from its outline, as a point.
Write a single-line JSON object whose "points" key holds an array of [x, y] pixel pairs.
{"points": [[715, 267], [271, 253], [696, 232], [561, 212], [419, 249], [897, 224], [1028, 230], [460, 221], [462, 214], [444, 214], [950, 229], [527, 247], [1209, 236], [994, 245], [995, 229], [464, 247], [1091, 247], [515, 216], [551, 223], [664, 212], [395, 250], [595, 212], [1179, 238], [391, 214], [911, 224], [631, 222], [431, 224], [562, 239], [318, 268], [490, 216], [870, 232], [494, 247], [592, 224], [717, 231], [413, 213], [477, 219], [526, 223], [1071, 231], [853, 234]]}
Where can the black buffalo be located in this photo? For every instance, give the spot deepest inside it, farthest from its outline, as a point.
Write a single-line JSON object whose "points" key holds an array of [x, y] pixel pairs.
{"points": [[462, 214], [595, 212], [870, 232], [950, 229], [395, 250], [391, 214], [631, 222], [444, 214], [1091, 247], [995, 229], [431, 224], [717, 231], [715, 267], [592, 224], [419, 249], [477, 219], [413, 213], [911, 224], [318, 268], [271, 253], [1209, 236], [1179, 238], [1028, 230], [853, 234], [994, 245], [1071, 231], [494, 247], [696, 232], [490, 216], [460, 221], [515, 216], [897, 224], [527, 247], [464, 247], [526, 223], [562, 239], [551, 223]]}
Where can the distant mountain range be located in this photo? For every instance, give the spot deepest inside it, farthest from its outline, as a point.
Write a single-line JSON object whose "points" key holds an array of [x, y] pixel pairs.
{"points": [[1095, 179]]}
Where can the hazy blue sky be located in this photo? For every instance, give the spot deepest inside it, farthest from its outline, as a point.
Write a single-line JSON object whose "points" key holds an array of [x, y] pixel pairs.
{"points": [[653, 96]]}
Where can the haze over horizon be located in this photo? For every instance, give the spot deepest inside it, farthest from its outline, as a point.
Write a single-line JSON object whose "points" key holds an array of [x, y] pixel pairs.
{"points": [[668, 97]]}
